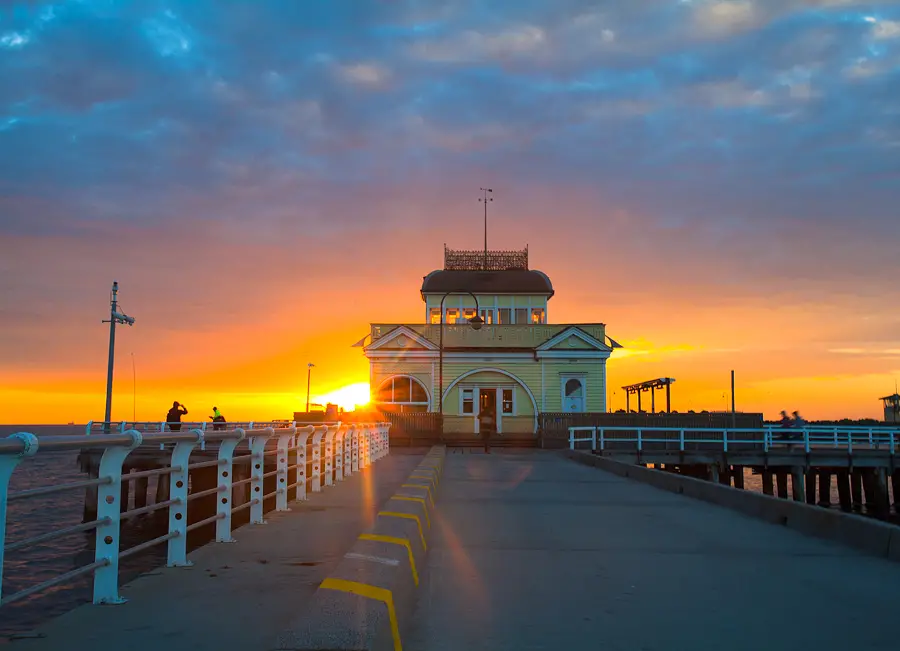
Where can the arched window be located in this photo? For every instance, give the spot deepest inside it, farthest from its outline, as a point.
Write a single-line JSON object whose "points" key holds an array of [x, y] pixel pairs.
{"points": [[401, 393]]}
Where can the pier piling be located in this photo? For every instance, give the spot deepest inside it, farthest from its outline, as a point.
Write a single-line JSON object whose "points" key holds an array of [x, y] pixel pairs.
{"points": [[767, 483], [781, 482], [843, 484], [797, 483], [856, 489], [824, 488]]}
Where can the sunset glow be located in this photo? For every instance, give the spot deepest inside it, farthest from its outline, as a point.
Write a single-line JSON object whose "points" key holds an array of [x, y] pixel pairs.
{"points": [[261, 196]]}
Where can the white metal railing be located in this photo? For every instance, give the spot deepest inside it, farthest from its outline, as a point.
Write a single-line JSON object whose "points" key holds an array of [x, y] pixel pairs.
{"points": [[337, 451], [763, 439]]}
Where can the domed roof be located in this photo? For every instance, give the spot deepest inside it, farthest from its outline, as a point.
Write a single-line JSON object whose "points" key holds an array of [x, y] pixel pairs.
{"points": [[488, 282]]}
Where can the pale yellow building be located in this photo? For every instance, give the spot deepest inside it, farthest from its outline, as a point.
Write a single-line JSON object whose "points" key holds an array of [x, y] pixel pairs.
{"points": [[514, 362]]}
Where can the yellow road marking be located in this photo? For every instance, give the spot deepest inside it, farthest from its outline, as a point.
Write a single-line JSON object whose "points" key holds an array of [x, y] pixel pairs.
{"points": [[369, 592], [407, 516], [426, 477], [395, 541], [425, 486], [416, 499]]}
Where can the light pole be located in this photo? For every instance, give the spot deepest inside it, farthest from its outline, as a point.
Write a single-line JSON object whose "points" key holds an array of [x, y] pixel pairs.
{"points": [[114, 318], [485, 199], [309, 368], [476, 322]]}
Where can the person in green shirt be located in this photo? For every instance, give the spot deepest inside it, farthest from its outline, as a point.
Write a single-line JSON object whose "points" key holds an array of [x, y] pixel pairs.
{"points": [[218, 419]]}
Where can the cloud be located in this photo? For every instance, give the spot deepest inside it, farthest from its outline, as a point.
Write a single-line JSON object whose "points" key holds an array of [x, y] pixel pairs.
{"points": [[365, 74]]}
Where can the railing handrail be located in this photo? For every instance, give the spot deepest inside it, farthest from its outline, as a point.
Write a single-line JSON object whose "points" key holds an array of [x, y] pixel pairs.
{"points": [[346, 448]]}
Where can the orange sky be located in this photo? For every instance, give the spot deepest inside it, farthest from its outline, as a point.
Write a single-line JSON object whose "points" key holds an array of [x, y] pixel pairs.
{"points": [[234, 324]]}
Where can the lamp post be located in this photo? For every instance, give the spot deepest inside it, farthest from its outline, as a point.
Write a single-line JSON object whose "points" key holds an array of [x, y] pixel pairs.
{"points": [[309, 368], [476, 322], [114, 317]]}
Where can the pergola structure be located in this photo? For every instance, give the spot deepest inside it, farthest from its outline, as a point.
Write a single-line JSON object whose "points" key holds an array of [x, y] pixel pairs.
{"points": [[651, 386]]}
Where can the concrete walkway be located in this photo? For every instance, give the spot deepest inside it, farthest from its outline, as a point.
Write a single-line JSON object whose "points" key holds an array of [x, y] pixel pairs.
{"points": [[236, 596], [536, 552]]}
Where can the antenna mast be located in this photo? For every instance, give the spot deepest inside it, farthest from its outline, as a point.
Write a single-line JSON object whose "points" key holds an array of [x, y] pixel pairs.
{"points": [[485, 199]]}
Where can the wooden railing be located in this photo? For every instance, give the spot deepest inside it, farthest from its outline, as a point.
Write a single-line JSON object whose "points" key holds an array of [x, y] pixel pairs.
{"points": [[414, 428]]}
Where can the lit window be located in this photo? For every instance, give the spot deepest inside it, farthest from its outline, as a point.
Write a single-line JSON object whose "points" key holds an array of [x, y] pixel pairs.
{"points": [[537, 315], [452, 315], [435, 314], [521, 315], [507, 401], [468, 314], [468, 401], [505, 316]]}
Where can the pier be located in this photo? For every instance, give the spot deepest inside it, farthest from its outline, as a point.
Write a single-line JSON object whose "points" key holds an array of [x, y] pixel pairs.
{"points": [[449, 548]]}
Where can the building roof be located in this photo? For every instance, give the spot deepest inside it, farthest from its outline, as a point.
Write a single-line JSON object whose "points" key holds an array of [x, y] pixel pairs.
{"points": [[488, 282]]}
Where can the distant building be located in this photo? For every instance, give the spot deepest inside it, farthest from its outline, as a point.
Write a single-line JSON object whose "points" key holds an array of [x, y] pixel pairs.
{"points": [[891, 408], [516, 365]]}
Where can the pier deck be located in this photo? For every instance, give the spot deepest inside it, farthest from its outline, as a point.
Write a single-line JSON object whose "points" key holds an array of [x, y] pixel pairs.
{"points": [[236, 596], [533, 551]]}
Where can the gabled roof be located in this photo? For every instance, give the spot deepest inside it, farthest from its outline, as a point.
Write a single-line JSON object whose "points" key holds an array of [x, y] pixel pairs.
{"points": [[578, 333], [401, 331], [488, 282]]}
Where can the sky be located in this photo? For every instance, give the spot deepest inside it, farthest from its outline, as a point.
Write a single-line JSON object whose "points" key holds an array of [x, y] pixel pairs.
{"points": [[717, 181]]}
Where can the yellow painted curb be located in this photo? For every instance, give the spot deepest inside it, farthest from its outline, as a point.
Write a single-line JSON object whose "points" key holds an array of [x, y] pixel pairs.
{"points": [[407, 516], [395, 541], [369, 592], [421, 500]]}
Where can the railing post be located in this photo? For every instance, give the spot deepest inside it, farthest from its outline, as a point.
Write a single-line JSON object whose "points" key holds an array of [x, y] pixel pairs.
{"points": [[364, 447], [302, 438], [571, 438], [339, 437], [639, 442], [348, 450], [681, 440], [387, 438], [835, 437], [354, 448], [725, 440], [106, 546], [602, 439], [317, 457], [178, 491], [593, 438], [329, 453], [806, 440], [226, 471], [8, 463], [257, 470], [88, 427], [891, 434], [284, 444]]}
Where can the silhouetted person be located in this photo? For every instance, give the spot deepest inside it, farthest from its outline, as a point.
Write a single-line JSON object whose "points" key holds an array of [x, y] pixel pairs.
{"points": [[798, 422], [487, 425], [786, 421], [174, 416], [218, 419]]}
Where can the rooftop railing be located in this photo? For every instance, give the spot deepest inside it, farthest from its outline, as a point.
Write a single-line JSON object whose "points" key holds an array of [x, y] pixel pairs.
{"points": [[336, 451], [734, 439]]}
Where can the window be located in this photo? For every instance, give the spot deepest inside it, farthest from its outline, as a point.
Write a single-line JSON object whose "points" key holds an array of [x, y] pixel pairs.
{"points": [[487, 316], [452, 315], [505, 316], [468, 401], [507, 401], [537, 315], [401, 393], [468, 313], [521, 315], [434, 315]]}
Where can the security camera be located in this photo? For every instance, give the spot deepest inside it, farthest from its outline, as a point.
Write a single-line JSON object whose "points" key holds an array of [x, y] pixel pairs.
{"points": [[123, 318]]}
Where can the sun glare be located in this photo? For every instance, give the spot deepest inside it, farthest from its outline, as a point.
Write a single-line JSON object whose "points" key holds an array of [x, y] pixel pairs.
{"points": [[348, 397]]}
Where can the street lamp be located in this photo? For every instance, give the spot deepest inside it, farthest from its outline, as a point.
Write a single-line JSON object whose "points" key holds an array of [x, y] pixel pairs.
{"points": [[309, 368], [476, 322], [114, 317]]}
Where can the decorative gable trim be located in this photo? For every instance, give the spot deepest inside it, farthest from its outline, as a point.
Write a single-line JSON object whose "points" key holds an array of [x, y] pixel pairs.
{"points": [[595, 344], [402, 331]]}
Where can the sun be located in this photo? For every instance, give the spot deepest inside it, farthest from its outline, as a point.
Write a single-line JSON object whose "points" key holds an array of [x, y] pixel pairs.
{"points": [[348, 397]]}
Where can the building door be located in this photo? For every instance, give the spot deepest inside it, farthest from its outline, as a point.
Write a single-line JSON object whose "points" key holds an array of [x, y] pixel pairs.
{"points": [[487, 401], [573, 395]]}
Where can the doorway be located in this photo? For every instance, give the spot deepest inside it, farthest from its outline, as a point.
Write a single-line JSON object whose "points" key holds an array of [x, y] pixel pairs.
{"points": [[487, 401]]}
